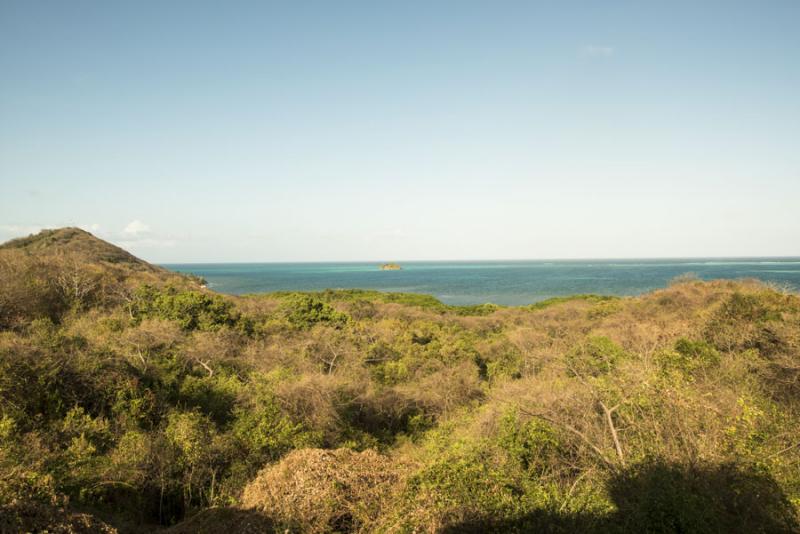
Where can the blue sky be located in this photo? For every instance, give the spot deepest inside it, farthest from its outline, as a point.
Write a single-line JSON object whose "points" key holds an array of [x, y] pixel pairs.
{"points": [[294, 131]]}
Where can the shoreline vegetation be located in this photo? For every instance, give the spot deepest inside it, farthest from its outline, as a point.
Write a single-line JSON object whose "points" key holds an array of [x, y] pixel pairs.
{"points": [[135, 399]]}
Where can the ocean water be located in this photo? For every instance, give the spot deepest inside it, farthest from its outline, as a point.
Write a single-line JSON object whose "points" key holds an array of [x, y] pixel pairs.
{"points": [[499, 282]]}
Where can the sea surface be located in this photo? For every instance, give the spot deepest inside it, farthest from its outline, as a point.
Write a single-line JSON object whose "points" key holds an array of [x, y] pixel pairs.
{"points": [[499, 282]]}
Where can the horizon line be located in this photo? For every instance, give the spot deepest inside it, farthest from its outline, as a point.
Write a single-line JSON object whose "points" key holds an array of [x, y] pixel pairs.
{"points": [[497, 260]]}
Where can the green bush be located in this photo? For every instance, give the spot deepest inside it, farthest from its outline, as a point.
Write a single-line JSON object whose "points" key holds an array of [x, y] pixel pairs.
{"points": [[745, 307], [304, 311], [262, 430], [153, 405], [553, 301], [747, 321], [213, 395], [595, 356], [500, 360], [688, 356], [458, 489], [28, 290], [192, 310], [664, 498], [533, 444]]}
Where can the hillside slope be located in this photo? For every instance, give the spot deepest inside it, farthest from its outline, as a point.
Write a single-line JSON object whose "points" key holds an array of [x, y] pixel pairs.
{"points": [[149, 403], [80, 244], [54, 271]]}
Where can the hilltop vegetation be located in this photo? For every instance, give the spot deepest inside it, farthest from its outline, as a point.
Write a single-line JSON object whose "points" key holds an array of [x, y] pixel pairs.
{"points": [[78, 245], [133, 399]]}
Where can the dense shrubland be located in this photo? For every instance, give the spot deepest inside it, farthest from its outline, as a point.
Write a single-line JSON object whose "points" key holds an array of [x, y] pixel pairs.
{"points": [[133, 399]]}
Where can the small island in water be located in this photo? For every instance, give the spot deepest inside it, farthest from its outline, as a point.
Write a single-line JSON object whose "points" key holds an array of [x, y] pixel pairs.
{"points": [[390, 267], [692, 370]]}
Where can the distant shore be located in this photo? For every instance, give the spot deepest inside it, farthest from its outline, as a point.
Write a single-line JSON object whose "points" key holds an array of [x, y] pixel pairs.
{"points": [[508, 283]]}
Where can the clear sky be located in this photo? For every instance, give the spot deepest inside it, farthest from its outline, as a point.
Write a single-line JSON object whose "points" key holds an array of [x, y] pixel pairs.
{"points": [[259, 131]]}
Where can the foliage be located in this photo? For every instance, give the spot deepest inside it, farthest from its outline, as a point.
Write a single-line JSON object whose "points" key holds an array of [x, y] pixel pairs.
{"points": [[424, 302], [261, 429], [658, 497], [532, 443], [192, 310], [136, 394], [594, 356], [554, 301], [305, 311], [457, 489], [748, 321], [688, 356]]}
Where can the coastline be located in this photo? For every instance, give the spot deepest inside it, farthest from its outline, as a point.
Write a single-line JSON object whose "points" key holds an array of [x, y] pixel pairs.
{"points": [[499, 282]]}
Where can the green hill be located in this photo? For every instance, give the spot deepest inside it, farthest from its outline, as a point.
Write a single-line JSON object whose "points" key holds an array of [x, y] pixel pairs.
{"points": [[133, 400], [81, 244], [46, 274]]}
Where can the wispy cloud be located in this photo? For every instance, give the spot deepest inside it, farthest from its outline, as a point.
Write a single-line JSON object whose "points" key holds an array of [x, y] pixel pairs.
{"points": [[138, 235], [18, 230], [93, 228], [136, 228], [597, 51], [147, 242]]}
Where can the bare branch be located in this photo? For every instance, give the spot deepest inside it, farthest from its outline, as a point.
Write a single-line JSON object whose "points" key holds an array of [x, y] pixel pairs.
{"points": [[205, 366], [574, 431], [572, 488], [787, 449], [613, 429]]}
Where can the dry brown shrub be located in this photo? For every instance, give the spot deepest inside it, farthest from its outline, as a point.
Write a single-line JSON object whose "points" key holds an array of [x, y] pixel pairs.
{"points": [[223, 343], [782, 378], [277, 352], [38, 517], [442, 392], [151, 336], [99, 328], [382, 331], [330, 404], [315, 399], [230, 520], [331, 350], [316, 490], [639, 334], [481, 325], [207, 349], [26, 290], [528, 339], [256, 305], [402, 312]]}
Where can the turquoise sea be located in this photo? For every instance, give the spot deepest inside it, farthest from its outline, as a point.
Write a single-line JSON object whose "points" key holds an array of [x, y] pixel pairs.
{"points": [[500, 282]]}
